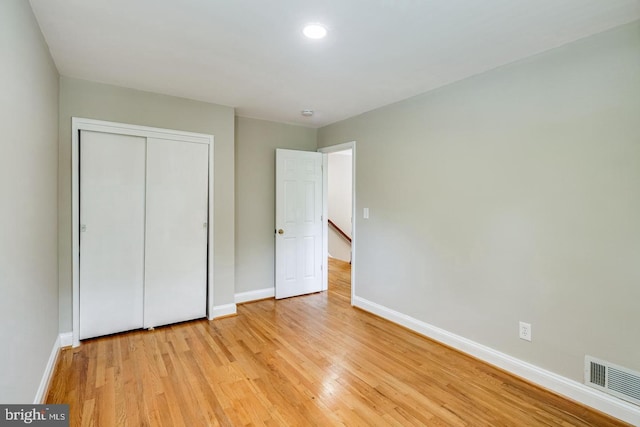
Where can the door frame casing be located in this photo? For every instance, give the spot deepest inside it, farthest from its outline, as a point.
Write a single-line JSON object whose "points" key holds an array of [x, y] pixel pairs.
{"points": [[78, 124], [325, 211]]}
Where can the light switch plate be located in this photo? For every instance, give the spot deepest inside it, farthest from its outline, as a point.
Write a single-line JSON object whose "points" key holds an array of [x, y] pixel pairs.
{"points": [[365, 213]]}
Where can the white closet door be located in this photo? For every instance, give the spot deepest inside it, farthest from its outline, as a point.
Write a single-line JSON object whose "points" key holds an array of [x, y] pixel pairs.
{"points": [[112, 212], [176, 232]]}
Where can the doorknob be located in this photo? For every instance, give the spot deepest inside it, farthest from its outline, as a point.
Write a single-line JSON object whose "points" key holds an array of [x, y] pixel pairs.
{"points": [[281, 231]]}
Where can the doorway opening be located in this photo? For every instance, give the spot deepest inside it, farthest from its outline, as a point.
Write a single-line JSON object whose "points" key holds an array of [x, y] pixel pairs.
{"points": [[339, 218]]}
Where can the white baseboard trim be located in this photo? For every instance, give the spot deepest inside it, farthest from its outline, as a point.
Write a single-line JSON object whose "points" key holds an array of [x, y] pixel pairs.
{"points": [[222, 311], [66, 339], [48, 373], [554, 382], [255, 295]]}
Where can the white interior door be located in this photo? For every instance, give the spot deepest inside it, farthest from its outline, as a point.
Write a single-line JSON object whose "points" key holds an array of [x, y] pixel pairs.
{"points": [[176, 231], [112, 211], [298, 223]]}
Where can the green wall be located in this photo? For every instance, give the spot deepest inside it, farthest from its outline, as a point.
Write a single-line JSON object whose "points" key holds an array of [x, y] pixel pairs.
{"points": [[28, 217], [512, 195], [79, 98], [256, 143]]}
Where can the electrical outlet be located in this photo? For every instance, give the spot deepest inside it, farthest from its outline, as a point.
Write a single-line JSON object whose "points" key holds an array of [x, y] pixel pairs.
{"points": [[525, 331]]}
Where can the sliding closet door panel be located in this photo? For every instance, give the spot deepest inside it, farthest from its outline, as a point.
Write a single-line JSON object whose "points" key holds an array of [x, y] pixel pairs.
{"points": [[112, 212], [176, 231]]}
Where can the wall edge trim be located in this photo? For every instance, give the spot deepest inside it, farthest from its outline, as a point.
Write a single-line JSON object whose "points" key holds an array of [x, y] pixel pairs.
{"points": [[258, 294], [556, 383], [66, 339], [47, 375], [223, 311]]}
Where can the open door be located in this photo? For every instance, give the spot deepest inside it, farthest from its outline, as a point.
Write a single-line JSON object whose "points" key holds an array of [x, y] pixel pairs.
{"points": [[299, 250]]}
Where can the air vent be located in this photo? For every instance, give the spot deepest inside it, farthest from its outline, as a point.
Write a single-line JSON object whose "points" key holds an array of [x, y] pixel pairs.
{"points": [[615, 380], [598, 374]]}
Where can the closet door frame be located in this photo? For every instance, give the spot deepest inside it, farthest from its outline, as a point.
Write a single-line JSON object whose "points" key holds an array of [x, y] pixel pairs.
{"points": [[78, 124]]}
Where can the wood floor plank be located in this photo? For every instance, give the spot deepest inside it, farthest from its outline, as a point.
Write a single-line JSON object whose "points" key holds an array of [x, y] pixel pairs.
{"points": [[311, 360]]}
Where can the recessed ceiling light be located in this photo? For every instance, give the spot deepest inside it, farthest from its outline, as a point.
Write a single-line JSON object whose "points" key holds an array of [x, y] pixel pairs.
{"points": [[314, 31]]}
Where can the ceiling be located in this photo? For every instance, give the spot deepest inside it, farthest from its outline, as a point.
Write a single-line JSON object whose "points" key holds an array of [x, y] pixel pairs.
{"points": [[251, 54]]}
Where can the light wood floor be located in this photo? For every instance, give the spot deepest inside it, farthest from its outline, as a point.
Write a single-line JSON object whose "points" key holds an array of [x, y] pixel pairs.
{"points": [[311, 360]]}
